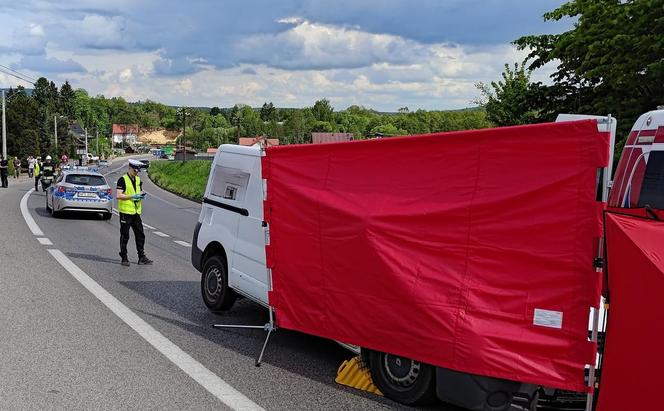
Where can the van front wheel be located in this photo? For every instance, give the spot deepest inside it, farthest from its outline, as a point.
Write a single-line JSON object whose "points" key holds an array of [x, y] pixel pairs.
{"points": [[214, 285]]}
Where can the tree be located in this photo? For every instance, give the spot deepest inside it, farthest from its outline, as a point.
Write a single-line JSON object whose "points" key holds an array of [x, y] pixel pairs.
{"points": [[214, 111], [612, 61], [322, 110], [268, 112], [67, 97], [508, 102]]}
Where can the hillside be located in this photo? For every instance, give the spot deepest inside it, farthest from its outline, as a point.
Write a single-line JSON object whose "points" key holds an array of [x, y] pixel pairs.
{"points": [[158, 136]]}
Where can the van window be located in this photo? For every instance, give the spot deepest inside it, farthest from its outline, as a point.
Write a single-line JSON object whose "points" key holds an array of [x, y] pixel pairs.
{"points": [[652, 190], [229, 183]]}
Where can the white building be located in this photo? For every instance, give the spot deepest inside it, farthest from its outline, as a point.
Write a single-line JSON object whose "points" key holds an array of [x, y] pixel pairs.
{"points": [[125, 132]]}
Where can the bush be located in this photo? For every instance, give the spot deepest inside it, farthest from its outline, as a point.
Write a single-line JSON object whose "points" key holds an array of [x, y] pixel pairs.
{"points": [[185, 178]]}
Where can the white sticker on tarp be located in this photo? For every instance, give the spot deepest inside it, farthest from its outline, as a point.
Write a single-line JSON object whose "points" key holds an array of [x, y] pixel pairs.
{"points": [[548, 318]]}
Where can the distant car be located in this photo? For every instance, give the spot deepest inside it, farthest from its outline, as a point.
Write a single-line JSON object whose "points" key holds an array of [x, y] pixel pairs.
{"points": [[146, 162], [80, 190], [92, 158]]}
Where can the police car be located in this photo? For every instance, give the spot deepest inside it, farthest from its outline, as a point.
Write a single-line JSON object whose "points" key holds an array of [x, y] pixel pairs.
{"points": [[80, 190]]}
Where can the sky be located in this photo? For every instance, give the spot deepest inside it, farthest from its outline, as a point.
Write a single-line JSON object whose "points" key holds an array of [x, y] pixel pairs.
{"points": [[381, 54]]}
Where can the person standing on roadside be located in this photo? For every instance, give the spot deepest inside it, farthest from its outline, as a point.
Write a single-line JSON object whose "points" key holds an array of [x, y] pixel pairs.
{"points": [[37, 172], [4, 171], [130, 196], [31, 166], [17, 167]]}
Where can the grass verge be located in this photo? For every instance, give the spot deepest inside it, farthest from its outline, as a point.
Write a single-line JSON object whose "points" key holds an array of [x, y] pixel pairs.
{"points": [[185, 178]]}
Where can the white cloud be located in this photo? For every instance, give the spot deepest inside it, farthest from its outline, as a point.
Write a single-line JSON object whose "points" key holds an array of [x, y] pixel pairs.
{"points": [[125, 75]]}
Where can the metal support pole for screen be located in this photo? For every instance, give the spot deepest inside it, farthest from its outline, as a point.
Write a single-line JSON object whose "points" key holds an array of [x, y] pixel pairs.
{"points": [[270, 326], [600, 257]]}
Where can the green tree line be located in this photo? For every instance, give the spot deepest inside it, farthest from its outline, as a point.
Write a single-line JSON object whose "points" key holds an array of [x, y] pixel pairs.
{"points": [[610, 62]]}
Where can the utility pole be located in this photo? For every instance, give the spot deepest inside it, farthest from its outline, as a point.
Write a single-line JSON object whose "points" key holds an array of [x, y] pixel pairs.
{"points": [[184, 132], [97, 137], [4, 127], [55, 127], [86, 146]]}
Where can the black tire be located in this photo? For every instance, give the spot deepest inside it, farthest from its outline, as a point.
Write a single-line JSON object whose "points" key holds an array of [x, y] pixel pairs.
{"points": [[214, 285], [402, 379], [106, 216]]}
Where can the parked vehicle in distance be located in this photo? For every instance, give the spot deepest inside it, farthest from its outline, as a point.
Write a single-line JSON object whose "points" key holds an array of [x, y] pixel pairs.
{"points": [[80, 191], [92, 158]]}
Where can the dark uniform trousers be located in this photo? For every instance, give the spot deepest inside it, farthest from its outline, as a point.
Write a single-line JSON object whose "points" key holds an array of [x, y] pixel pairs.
{"points": [[134, 222]]}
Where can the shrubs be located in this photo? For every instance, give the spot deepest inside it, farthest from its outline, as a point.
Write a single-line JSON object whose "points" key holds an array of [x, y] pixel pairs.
{"points": [[185, 178]]}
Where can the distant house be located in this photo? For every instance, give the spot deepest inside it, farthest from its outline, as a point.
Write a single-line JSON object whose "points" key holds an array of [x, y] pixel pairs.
{"points": [[78, 132], [125, 132], [250, 141], [317, 138]]}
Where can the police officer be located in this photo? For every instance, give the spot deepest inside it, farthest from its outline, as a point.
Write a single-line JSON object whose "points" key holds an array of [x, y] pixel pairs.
{"points": [[130, 196], [4, 171], [38, 165]]}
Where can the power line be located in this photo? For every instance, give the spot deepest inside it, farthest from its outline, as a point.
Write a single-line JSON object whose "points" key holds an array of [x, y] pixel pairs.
{"points": [[18, 72], [14, 75]]}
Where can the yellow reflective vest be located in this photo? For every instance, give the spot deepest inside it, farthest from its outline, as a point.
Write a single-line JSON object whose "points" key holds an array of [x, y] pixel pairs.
{"points": [[130, 206]]}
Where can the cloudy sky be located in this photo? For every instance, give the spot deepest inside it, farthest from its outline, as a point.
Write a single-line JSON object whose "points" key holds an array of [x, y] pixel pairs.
{"points": [[382, 54]]}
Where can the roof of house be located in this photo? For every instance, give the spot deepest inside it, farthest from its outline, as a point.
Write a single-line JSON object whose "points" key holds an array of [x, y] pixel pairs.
{"points": [[317, 138], [125, 128], [250, 141]]}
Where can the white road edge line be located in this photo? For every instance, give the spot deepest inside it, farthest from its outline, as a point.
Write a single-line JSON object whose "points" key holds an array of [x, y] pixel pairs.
{"points": [[206, 378], [44, 241], [27, 217], [160, 234], [148, 226], [219, 388], [182, 243]]}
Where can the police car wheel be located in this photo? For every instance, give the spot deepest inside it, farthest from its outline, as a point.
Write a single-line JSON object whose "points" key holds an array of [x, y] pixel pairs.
{"points": [[106, 216], [214, 285]]}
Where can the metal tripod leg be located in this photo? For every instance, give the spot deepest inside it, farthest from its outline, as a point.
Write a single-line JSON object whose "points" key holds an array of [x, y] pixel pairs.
{"points": [[269, 327]]}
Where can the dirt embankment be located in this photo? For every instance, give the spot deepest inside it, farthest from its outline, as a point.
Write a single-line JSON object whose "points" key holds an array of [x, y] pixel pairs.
{"points": [[158, 136]]}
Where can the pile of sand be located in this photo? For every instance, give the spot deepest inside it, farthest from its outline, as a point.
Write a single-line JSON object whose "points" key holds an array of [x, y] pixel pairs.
{"points": [[158, 136]]}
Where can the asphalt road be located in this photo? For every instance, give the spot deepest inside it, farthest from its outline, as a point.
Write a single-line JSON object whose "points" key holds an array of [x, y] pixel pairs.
{"points": [[147, 343]]}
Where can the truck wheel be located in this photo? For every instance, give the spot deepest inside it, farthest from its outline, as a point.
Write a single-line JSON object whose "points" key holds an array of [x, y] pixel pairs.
{"points": [[402, 379], [214, 285]]}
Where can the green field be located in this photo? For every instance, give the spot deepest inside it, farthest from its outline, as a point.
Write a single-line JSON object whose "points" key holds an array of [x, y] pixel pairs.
{"points": [[185, 178]]}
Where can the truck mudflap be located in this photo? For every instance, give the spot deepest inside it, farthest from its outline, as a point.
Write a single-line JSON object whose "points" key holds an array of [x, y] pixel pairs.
{"points": [[480, 393]]}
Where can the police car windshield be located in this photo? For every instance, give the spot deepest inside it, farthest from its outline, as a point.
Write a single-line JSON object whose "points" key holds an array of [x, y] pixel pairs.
{"points": [[85, 180]]}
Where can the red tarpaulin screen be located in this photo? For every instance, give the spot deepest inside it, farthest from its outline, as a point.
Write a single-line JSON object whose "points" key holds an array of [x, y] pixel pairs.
{"points": [[468, 250], [632, 368]]}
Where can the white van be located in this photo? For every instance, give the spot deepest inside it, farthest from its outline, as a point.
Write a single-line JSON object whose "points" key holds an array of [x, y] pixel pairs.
{"points": [[229, 241]]}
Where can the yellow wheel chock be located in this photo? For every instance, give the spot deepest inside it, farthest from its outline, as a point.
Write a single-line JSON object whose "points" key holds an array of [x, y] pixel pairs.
{"points": [[353, 374]]}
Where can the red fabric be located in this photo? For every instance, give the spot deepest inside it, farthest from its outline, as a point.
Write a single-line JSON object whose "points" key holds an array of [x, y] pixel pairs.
{"points": [[631, 372], [440, 247]]}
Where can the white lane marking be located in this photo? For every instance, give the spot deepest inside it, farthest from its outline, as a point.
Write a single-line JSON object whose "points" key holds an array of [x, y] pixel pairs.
{"points": [[173, 204], [160, 234], [27, 217], [182, 243], [115, 211], [206, 378], [44, 241]]}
